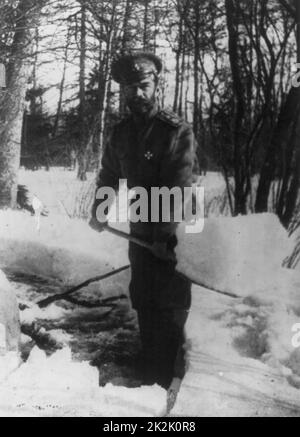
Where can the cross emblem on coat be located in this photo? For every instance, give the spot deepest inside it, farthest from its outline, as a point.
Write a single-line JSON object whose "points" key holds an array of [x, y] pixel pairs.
{"points": [[148, 155]]}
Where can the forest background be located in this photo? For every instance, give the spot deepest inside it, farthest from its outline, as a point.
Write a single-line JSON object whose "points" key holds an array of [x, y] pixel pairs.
{"points": [[228, 69]]}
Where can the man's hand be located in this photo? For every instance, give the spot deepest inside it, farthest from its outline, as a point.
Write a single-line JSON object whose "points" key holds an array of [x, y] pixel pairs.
{"points": [[97, 226], [160, 250]]}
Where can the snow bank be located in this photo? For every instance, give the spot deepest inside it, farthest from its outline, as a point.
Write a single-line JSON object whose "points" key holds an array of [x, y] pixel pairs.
{"points": [[52, 312], [241, 362], [9, 317], [235, 255], [8, 364], [268, 320], [66, 250], [69, 251], [239, 352], [57, 386]]}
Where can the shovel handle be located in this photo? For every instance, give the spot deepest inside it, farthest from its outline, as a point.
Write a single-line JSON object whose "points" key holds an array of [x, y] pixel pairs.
{"points": [[135, 240], [128, 237], [142, 243]]}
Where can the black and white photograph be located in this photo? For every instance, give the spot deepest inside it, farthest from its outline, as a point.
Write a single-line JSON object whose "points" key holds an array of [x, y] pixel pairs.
{"points": [[149, 210]]}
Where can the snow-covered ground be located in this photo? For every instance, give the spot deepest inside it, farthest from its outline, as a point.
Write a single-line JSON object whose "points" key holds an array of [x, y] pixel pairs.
{"points": [[58, 386], [63, 194], [240, 357], [241, 361], [235, 255], [68, 252], [60, 190]]}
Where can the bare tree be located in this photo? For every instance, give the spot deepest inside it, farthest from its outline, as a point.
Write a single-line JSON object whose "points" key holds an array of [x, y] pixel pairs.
{"points": [[62, 85], [13, 98], [282, 157]]}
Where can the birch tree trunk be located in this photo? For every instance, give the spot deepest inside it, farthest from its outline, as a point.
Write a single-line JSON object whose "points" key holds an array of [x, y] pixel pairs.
{"points": [[239, 111], [61, 87], [106, 78], [146, 35], [82, 155], [196, 72], [126, 44], [12, 100]]}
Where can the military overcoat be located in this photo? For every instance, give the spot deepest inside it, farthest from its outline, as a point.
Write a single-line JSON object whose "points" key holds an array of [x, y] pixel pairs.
{"points": [[160, 153]]}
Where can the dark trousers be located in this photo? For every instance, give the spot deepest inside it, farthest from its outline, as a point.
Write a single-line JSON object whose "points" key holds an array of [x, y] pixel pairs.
{"points": [[162, 344], [162, 300]]}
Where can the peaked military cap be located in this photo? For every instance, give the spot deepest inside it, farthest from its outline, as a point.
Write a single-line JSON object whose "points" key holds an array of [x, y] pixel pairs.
{"points": [[133, 68]]}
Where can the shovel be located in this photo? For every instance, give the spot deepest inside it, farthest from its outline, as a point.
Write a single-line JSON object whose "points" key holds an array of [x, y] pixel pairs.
{"points": [[51, 299], [149, 246]]}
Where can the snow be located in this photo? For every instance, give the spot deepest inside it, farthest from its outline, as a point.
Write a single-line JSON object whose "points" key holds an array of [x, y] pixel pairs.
{"points": [[60, 191], [8, 364], [4, 283], [240, 357], [66, 250], [241, 360], [53, 312], [9, 317], [235, 255], [57, 386]]}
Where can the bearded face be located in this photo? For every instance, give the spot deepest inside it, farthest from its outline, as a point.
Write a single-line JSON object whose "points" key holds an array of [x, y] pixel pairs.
{"points": [[141, 96]]}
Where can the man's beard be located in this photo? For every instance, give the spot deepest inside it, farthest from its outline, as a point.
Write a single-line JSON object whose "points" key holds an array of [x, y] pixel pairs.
{"points": [[141, 105]]}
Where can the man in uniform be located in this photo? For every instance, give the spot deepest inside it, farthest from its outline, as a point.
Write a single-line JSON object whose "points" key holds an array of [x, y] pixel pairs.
{"points": [[152, 148]]}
